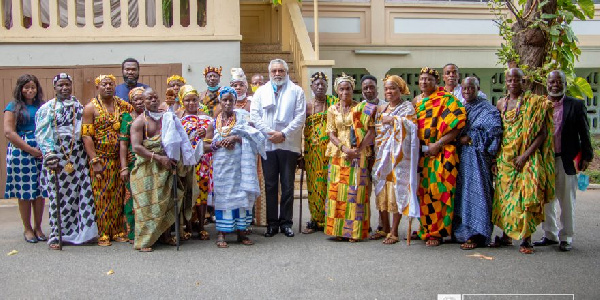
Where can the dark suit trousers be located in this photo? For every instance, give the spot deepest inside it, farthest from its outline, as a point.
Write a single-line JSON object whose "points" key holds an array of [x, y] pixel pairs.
{"points": [[280, 167]]}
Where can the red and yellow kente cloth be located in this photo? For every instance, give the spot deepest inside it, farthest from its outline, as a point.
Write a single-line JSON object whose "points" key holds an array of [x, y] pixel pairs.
{"points": [[438, 114], [203, 170], [347, 211], [519, 197], [109, 190]]}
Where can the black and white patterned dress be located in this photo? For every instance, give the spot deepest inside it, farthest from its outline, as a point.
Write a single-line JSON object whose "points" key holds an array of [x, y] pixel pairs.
{"points": [[75, 191]]}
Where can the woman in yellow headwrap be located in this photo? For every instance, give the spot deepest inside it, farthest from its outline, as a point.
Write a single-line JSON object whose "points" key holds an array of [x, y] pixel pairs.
{"points": [[172, 101], [196, 124]]}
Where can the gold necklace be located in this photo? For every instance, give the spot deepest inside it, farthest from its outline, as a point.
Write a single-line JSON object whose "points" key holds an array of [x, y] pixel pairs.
{"points": [[229, 123], [116, 124], [345, 111], [69, 166]]}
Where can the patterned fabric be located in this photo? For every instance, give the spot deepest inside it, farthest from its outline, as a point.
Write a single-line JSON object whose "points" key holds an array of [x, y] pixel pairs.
{"points": [[557, 117], [210, 99], [154, 207], [231, 220], [474, 194], [126, 120], [260, 206], [438, 114], [397, 155], [192, 125], [77, 207], [316, 163], [519, 197], [109, 190], [347, 208], [23, 171]]}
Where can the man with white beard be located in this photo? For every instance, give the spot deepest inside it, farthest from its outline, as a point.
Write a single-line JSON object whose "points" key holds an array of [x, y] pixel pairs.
{"points": [[278, 110], [571, 137]]}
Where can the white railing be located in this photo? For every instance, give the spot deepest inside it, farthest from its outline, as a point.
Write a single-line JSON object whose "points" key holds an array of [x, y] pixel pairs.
{"points": [[85, 21]]}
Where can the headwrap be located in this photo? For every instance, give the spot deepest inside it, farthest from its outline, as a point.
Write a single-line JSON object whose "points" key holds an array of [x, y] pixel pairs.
{"points": [[432, 72], [399, 82], [227, 90], [212, 69], [318, 75], [61, 76], [186, 90], [136, 91], [102, 77], [176, 77], [237, 75], [344, 78]]}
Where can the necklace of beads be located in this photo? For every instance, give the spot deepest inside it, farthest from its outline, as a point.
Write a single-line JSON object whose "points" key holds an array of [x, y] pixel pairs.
{"points": [[241, 104], [225, 124], [517, 109], [112, 118]]}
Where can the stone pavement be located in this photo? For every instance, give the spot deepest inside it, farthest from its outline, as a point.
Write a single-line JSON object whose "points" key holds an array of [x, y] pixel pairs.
{"points": [[303, 267]]}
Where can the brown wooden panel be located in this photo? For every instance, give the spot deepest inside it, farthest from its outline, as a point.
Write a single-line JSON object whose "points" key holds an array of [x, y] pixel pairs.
{"points": [[83, 88]]}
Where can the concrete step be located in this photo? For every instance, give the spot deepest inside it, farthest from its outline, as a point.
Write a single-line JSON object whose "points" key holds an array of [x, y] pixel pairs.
{"points": [[256, 57], [259, 48], [261, 67]]}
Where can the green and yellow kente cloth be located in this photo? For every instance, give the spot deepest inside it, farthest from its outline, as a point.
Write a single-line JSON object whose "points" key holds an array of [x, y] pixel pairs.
{"points": [[126, 120], [437, 115], [316, 163], [109, 190], [519, 197], [151, 188], [347, 210]]}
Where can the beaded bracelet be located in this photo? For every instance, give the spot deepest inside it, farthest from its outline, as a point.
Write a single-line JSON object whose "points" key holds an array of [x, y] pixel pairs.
{"points": [[95, 160], [213, 146]]}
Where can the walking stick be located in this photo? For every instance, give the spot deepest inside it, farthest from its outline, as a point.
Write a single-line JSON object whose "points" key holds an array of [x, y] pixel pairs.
{"points": [[58, 213], [300, 212], [409, 231], [174, 195]]}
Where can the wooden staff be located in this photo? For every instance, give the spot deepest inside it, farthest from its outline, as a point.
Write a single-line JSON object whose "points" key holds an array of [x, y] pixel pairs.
{"points": [[58, 213], [176, 207]]}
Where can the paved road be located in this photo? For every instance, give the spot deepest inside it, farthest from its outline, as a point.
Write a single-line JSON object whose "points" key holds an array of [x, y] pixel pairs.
{"points": [[303, 267]]}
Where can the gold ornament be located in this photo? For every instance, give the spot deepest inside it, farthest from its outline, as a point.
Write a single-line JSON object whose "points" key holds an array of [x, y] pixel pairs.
{"points": [[117, 126], [69, 168]]}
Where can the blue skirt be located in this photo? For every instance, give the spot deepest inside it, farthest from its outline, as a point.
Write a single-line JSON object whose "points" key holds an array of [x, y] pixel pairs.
{"points": [[232, 220], [23, 172]]}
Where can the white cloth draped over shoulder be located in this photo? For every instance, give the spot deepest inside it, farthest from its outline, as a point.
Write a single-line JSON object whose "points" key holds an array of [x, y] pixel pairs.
{"points": [[45, 133], [176, 142], [397, 150], [284, 112], [234, 171]]}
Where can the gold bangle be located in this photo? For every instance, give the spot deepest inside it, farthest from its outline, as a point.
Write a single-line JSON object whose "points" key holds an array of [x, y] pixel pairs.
{"points": [[95, 160]]}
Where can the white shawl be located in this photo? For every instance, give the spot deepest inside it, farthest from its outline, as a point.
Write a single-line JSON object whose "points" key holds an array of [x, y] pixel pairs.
{"points": [[176, 142]]}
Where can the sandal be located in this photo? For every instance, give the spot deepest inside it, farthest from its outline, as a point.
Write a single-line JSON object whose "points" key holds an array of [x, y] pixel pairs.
{"points": [[186, 236], [379, 234], [104, 241], [311, 227], [390, 239], [54, 246], [149, 249], [120, 238], [245, 241], [353, 240], [501, 241], [526, 248], [469, 245], [203, 235], [221, 243], [433, 242]]}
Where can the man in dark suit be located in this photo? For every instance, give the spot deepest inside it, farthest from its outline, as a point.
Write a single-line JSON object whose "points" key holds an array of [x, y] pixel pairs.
{"points": [[571, 136]]}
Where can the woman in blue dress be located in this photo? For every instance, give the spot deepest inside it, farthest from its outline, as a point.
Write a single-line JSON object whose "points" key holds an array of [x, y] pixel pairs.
{"points": [[23, 157]]}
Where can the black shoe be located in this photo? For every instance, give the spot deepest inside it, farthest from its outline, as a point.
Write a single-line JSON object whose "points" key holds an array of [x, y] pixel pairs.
{"points": [[565, 246], [33, 240], [271, 231], [287, 231], [545, 242]]}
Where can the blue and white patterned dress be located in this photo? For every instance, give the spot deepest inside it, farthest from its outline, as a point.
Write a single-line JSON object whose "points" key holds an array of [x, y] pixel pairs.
{"points": [[235, 177], [22, 169], [474, 190]]}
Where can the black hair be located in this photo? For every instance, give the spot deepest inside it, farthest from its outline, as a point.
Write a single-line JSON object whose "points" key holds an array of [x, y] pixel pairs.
{"points": [[449, 64], [20, 109], [130, 59], [368, 76]]}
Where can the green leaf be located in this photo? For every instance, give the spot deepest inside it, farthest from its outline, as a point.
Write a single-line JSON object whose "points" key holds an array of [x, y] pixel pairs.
{"points": [[555, 30], [569, 16], [588, 7], [548, 16], [584, 86], [574, 91]]}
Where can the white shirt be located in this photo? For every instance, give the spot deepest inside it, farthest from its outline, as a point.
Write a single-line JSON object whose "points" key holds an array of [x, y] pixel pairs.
{"points": [[290, 97], [458, 94]]}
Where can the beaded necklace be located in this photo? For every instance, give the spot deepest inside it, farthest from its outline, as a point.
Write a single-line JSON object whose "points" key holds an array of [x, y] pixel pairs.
{"points": [[69, 166], [517, 109], [225, 125], [241, 104], [112, 118]]}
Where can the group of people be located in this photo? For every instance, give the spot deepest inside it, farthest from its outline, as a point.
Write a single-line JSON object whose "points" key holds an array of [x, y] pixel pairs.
{"points": [[127, 166]]}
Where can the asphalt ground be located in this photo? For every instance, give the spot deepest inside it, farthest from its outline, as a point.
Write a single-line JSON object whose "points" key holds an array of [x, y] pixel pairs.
{"points": [[303, 267]]}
